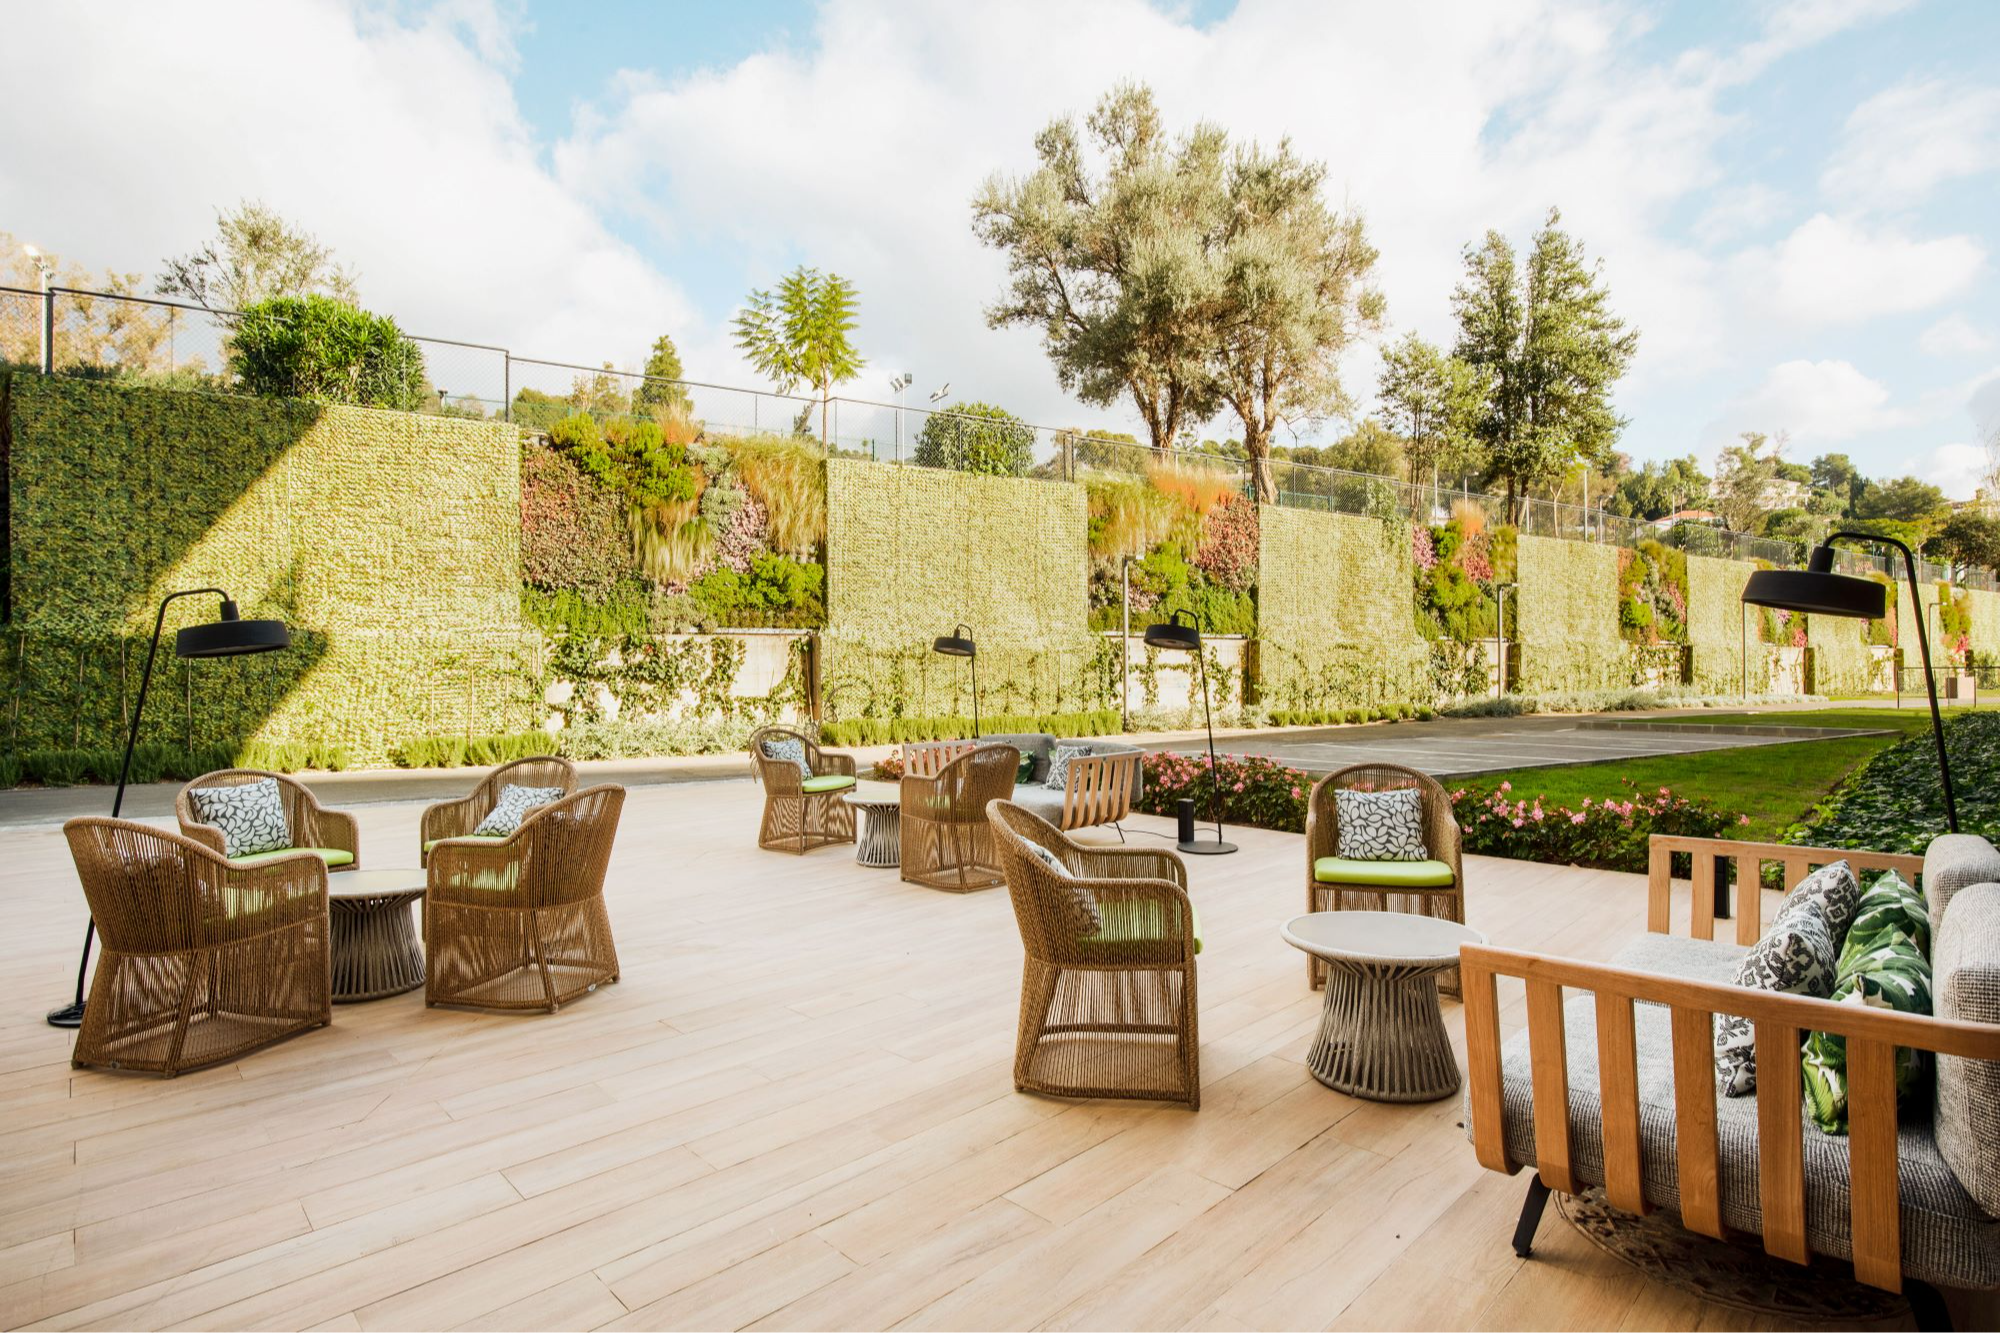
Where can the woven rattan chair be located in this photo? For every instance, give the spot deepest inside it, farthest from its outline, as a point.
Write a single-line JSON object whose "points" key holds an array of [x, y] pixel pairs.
{"points": [[203, 961], [520, 923], [947, 839], [332, 834], [1107, 1011], [800, 812], [1434, 887], [457, 819]]}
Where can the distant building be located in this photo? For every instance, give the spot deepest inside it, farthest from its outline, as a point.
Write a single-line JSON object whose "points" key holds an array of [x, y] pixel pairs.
{"points": [[1709, 517], [1781, 494]]}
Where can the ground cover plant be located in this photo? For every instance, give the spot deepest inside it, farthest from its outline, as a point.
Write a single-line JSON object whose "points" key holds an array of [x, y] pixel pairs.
{"points": [[1895, 802]]}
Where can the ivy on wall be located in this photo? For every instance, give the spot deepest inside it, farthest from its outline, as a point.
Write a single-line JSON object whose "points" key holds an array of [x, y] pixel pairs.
{"points": [[1568, 604], [1841, 662], [1716, 630], [1906, 631], [913, 552], [1334, 612]]}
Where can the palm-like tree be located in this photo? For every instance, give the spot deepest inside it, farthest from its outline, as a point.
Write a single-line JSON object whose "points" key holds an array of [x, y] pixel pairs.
{"points": [[801, 334]]}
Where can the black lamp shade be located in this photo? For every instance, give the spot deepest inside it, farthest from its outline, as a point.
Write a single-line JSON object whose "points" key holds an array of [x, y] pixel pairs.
{"points": [[1817, 591], [954, 645], [231, 636], [1174, 637]]}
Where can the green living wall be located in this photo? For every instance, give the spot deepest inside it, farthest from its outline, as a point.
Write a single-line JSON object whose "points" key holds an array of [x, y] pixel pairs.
{"points": [[1568, 607], [1840, 658], [1717, 631], [913, 552], [1334, 611], [1985, 630], [388, 541]]}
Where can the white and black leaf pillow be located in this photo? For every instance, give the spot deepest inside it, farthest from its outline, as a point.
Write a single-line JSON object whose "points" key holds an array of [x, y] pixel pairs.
{"points": [[1381, 825], [1834, 893], [513, 807], [1058, 777], [1795, 957], [251, 816], [792, 750], [1078, 904]]}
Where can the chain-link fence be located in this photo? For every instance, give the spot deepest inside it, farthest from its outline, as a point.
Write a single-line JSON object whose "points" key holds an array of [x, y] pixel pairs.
{"points": [[112, 334]]}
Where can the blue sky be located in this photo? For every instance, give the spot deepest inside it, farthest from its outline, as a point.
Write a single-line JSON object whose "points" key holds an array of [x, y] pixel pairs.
{"points": [[1795, 201]]}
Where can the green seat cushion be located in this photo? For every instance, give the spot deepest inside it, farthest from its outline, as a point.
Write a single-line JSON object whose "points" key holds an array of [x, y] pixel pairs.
{"points": [[468, 837], [333, 856], [1383, 874], [1136, 922], [827, 782]]}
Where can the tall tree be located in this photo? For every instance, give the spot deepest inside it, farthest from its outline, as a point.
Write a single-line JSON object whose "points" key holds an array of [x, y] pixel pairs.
{"points": [[1744, 473], [1293, 293], [1659, 489], [1113, 262], [803, 334], [1553, 349], [661, 387], [1433, 401], [256, 255]]}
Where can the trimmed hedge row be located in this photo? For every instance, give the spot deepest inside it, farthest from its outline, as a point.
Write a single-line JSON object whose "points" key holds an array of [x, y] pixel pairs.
{"points": [[153, 761], [473, 751], [896, 730]]}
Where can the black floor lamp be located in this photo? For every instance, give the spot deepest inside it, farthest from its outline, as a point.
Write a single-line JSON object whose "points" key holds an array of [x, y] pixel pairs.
{"points": [[959, 643], [1180, 635], [229, 635], [1817, 591]]}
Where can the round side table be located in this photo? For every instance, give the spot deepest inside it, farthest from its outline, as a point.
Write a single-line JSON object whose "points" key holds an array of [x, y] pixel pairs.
{"points": [[881, 807], [1381, 1035], [376, 952]]}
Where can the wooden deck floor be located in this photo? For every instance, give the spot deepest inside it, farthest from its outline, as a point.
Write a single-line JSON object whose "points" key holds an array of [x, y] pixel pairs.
{"points": [[795, 1111]]}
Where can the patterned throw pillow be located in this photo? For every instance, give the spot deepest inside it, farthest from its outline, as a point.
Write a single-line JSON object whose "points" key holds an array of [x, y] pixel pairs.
{"points": [[1058, 777], [791, 749], [513, 807], [251, 816], [1889, 907], [1890, 974], [1079, 905], [1834, 891], [1795, 957], [1381, 825]]}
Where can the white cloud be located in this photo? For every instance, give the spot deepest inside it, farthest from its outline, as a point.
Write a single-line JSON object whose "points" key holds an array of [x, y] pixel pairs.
{"points": [[1956, 469], [1954, 335], [1908, 139], [1835, 271], [1816, 402]]}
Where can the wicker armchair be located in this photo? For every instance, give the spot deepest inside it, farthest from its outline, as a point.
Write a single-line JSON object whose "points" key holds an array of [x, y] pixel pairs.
{"points": [[1435, 887], [1110, 1011], [520, 923], [332, 834], [800, 812], [457, 819], [947, 839], [203, 961]]}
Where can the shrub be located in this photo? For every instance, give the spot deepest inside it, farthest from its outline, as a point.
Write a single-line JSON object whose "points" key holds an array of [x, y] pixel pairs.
{"points": [[628, 740], [318, 348], [977, 437], [1894, 802], [897, 730], [1609, 834], [478, 751], [1255, 791]]}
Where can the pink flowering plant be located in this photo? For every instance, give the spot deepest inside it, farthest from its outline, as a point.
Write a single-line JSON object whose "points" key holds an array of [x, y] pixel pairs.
{"points": [[1262, 793], [1609, 833]]}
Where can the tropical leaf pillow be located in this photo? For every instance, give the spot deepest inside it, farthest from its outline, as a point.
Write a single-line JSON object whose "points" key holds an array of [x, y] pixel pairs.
{"points": [[1381, 825], [1889, 907], [1795, 957], [1892, 974]]}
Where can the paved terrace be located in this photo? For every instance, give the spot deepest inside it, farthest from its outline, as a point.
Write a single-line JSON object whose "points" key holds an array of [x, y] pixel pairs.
{"points": [[796, 1110]]}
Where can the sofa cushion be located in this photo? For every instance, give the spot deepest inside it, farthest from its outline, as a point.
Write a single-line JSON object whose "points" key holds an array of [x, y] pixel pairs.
{"points": [[1135, 927], [1965, 984], [1038, 744], [1891, 973], [333, 856], [1946, 1237], [790, 750], [1043, 801], [1057, 776], [827, 782], [1834, 893], [465, 837], [1682, 956], [1952, 861], [1387, 874], [1794, 957], [514, 805], [1381, 825], [251, 816], [1890, 907]]}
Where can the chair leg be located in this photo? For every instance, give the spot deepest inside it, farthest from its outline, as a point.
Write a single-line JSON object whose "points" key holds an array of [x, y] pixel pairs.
{"points": [[1927, 1305], [1531, 1216]]}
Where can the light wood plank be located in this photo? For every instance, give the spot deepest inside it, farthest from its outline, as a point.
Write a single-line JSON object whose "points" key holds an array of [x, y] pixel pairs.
{"points": [[1618, 1086], [1697, 1167], [1549, 1058], [1871, 1128], [1781, 1189]]}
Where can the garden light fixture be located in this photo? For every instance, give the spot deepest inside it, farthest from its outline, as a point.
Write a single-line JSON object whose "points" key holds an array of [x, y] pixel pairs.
{"points": [[959, 643], [1179, 635]]}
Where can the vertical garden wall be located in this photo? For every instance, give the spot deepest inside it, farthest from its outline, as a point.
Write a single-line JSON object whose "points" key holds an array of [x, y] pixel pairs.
{"points": [[912, 552], [1984, 609], [388, 541], [1568, 608], [1334, 611], [1717, 632], [1841, 663], [1906, 630]]}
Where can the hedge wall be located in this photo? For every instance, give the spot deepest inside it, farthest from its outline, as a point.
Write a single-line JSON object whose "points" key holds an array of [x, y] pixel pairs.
{"points": [[1716, 631], [1906, 633], [1568, 616], [389, 541], [1334, 611], [1985, 634], [912, 552], [1840, 658]]}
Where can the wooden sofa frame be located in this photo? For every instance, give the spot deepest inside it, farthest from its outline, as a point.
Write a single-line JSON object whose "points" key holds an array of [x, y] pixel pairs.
{"points": [[1781, 1021]]}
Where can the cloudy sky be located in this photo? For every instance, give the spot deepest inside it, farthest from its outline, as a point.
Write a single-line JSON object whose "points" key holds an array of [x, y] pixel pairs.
{"points": [[1798, 204]]}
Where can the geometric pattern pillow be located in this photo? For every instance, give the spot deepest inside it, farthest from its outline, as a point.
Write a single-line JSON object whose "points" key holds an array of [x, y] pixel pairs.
{"points": [[1834, 891], [1058, 777], [1795, 957], [1892, 974], [792, 749], [512, 807], [251, 816], [1381, 825], [1889, 907]]}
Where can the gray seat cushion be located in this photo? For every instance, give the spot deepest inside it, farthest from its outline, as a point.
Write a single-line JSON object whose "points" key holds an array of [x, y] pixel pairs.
{"points": [[1044, 801], [1946, 1237], [1952, 861], [1037, 745], [1965, 985]]}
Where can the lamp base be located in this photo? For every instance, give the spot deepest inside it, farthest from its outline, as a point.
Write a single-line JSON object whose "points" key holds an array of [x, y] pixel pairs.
{"points": [[69, 1016], [1196, 847]]}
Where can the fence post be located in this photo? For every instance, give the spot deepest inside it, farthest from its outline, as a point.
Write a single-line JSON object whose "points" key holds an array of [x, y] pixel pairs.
{"points": [[48, 331], [507, 385]]}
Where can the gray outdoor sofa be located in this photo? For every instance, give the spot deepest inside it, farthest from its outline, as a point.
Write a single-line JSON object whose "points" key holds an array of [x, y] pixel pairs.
{"points": [[1099, 789]]}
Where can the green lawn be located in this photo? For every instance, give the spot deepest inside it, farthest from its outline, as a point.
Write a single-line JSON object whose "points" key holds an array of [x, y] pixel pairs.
{"points": [[1907, 718]]}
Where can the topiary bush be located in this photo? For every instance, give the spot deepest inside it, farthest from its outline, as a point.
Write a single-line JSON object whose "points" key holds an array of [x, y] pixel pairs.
{"points": [[323, 350]]}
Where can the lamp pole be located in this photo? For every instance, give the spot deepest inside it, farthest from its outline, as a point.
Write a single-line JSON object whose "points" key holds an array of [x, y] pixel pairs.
{"points": [[900, 385], [1125, 642], [43, 272]]}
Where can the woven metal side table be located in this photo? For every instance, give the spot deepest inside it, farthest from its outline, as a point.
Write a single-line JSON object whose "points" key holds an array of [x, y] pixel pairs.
{"points": [[1381, 1034], [881, 807], [376, 950]]}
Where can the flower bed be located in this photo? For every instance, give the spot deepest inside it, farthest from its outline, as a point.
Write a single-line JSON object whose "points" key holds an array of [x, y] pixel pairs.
{"points": [[1262, 793]]}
